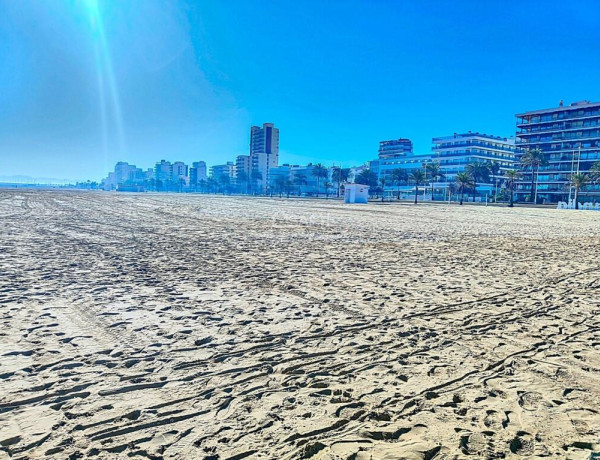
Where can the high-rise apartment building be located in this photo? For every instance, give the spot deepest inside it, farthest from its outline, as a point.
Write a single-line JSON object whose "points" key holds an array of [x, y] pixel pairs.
{"points": [[455, 152], [125, 172], [242, 165], [570, 138], [179, 172], [392, 155], [395, 148], [264, 151], [163, 171], [124, 175], [219, 172]]}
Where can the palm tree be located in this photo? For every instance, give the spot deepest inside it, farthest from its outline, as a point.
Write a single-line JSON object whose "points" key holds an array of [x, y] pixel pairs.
{"points": [[464, 180], [435, 172], [595, 172], [340, 175], [579, 182], [398, 177], [319, 171], [300, 180], [382, 181], [367, 177], [479, 172], [534, 158], [418, 177], [511, 177]]}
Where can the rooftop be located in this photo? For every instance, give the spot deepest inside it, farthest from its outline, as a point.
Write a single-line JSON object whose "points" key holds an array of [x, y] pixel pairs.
{"points": [[470, 134], [396, 141], [561, 107]]}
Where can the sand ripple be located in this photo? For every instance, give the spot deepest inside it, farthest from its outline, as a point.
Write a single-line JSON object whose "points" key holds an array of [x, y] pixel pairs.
{"points": [[172, 326]]}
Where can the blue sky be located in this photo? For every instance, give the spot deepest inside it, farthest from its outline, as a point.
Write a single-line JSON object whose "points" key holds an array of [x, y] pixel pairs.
{"points": [[86, 83]]}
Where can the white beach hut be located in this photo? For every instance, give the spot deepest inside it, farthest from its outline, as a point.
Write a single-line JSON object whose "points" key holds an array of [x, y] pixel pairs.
{"points": [[356, 193]]}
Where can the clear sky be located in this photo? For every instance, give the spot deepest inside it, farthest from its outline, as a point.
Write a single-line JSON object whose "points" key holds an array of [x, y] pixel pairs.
{"points": [[86, 83]]}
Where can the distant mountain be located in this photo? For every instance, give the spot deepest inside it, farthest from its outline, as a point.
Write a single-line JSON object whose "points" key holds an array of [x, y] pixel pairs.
{"points": [[35, 180]]}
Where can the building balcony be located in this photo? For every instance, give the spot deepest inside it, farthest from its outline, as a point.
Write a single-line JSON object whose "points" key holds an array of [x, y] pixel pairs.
{"points": [[476, 156], [561, 116], [487, 145], [521, 142], [532, 132]]}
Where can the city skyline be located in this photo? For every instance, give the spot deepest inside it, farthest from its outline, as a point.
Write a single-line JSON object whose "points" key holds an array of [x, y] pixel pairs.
{"points": [[177, 81], [551, 147]]}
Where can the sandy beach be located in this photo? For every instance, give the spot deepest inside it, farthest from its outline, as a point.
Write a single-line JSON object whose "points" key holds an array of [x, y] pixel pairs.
{"points": [[212, 327]]}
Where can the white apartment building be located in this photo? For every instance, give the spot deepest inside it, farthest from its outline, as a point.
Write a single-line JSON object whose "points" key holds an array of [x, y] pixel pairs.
{"points": [[179, 171], [459, 150]]}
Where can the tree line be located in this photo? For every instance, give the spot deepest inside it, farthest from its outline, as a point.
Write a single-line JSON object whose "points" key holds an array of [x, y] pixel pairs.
{"points": [[332, 182], [534, 159], [249, 183], [430, 173]]}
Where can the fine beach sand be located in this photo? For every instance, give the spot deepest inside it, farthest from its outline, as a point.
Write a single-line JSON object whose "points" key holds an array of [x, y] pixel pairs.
{"points": [[210, 327]]}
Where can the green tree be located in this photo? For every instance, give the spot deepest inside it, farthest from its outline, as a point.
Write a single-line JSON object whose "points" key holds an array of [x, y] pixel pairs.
{"points": [[435, 173], [512, 176], [417, 177], [320, 172], [464, 180], [383, 181], [479, 172], [595, 172], [578, 181], [367, 177], [399, 177], [534, 158], [340, 176]]}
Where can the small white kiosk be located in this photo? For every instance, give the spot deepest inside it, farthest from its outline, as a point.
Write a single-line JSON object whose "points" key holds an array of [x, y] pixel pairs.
{"points": [[356, 193]]}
